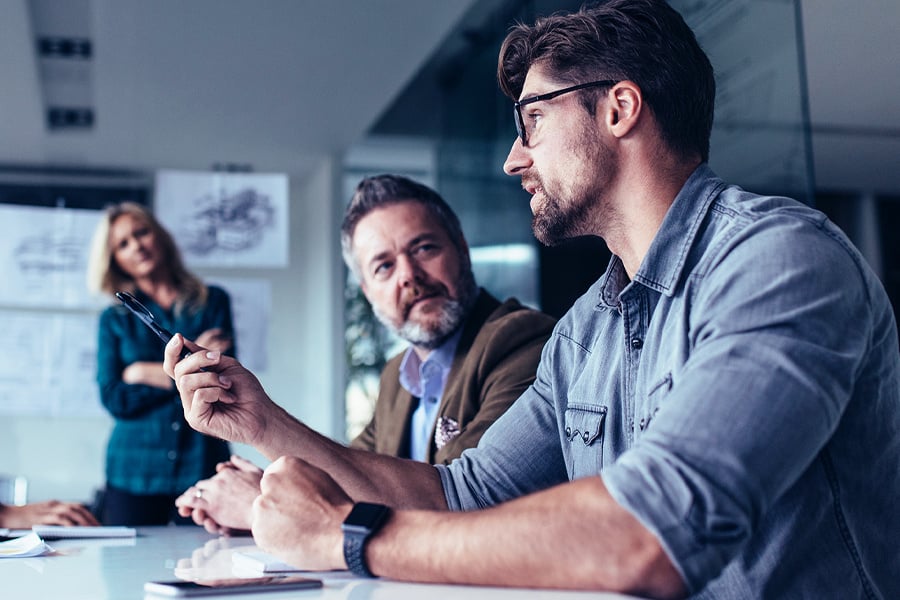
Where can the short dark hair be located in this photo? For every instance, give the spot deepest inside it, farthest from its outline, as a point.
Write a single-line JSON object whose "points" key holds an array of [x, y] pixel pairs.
{"points": [[643, 41], [382, 190]]}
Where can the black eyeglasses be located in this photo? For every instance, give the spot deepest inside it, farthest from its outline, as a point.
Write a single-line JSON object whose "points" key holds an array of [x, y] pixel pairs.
{"points": [[517, 106]]}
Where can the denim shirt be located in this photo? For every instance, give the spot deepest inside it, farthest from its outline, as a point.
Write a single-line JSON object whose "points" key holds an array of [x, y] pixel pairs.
{"points": [[740, 397], [152, 449]]}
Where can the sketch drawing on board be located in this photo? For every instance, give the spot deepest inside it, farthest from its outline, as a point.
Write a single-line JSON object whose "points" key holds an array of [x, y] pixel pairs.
{"points": [[225, 219], [43, 256], [230, 222], [47, 252]]}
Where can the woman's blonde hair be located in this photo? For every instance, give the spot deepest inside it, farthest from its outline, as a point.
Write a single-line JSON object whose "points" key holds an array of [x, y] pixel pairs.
{"points": [[104, 275]]}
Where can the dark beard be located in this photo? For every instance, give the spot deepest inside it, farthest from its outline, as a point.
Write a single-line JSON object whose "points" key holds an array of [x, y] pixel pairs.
{"points": [[552, 225], [556, 221]]}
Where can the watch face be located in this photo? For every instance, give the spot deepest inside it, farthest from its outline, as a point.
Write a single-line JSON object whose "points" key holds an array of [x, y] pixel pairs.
{"points": [[366, 515]]}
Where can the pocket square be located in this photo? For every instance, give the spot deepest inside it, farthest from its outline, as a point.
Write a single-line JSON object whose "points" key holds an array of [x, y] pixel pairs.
{"points": [[447, 429]]}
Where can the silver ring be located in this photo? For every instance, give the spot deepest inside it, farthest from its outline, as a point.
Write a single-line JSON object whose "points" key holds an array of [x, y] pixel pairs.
{"points": [[198, 494]]}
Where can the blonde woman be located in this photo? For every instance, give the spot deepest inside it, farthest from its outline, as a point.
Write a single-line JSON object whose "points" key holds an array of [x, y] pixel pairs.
{"points": [[153, 455]]}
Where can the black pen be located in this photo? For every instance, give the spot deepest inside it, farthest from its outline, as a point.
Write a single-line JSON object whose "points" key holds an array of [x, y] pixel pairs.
{"points": [[144, 314]]}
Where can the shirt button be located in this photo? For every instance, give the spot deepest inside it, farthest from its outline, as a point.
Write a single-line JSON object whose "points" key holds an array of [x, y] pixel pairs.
{"points": [[176, 426], [637, 343], [172, 455]]}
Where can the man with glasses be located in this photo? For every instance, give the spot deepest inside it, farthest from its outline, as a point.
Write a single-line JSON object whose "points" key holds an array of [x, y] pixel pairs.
{"points": [[718, 415]]}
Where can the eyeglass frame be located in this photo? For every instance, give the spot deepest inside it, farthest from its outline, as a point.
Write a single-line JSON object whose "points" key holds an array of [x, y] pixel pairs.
{"points": [[517, 106]]}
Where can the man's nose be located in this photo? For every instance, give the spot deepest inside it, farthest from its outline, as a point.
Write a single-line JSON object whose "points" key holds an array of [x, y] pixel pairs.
{"points": [[518, 158], [408, 271]]}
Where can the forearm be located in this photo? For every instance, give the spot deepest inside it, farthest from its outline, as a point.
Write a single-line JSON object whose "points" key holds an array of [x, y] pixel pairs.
{"points": [[148, 373], [570, 536], [127, 401], [365, 476]]}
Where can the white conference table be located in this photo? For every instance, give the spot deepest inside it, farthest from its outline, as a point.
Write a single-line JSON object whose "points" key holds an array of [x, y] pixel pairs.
{"points": [[116, 569]]}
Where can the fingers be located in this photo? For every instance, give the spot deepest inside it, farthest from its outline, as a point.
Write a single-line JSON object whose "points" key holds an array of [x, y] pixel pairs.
{"points": [[228, 464], [69, 514], [212, 527], [172, 354], [210, 333], [188, 499], [174, 350], [274, 472], [183, 499], [196, 373], [84, 517], [200, 517], [214, 339], [205, 387], [242, 464]]}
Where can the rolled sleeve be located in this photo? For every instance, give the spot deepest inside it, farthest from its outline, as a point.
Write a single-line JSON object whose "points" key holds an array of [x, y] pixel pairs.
{"points": [[510, 460]]}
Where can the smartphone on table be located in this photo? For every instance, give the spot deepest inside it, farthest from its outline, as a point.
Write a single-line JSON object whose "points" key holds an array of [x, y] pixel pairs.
{"points": [[212, 587]]}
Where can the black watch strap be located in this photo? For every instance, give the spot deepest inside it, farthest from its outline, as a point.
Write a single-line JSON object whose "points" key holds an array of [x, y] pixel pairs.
{"points": [[353, 553], [364, 520]]}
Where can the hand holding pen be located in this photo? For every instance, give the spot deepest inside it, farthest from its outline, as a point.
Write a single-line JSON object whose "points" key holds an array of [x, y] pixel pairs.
{"points": [[219, 396]]}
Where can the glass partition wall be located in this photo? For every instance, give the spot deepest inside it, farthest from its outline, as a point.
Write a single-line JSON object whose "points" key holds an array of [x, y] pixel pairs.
{"points": [[451, 128]]}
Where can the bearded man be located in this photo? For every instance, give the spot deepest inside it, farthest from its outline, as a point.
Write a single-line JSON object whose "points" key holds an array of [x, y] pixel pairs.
{"points": [[469, 357]]}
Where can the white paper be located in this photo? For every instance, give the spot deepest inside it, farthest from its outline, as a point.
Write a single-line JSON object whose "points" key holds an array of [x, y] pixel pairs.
{"points": [[27, 545]]}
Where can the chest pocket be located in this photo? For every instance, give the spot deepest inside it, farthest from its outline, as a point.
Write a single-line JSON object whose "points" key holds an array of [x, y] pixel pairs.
{"points": [[584, 433]]}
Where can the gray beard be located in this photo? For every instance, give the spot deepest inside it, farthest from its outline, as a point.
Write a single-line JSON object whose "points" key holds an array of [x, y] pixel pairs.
{"points": [[450, 319], [452, 315]]}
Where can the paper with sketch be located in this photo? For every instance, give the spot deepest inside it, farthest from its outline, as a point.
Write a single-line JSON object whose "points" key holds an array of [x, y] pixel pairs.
{"points": [[27, 545], [225, 219]]}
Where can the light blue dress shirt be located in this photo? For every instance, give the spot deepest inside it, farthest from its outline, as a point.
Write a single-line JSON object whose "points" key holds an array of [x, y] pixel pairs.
{"points": [[740, 397], [425, 380]]}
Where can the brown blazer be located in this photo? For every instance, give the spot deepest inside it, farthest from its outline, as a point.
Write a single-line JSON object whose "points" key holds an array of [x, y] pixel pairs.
{"points": [[495, 361]]}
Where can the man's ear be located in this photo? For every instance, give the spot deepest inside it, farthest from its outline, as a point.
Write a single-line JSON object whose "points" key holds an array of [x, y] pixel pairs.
{"points": [[623, 108]]}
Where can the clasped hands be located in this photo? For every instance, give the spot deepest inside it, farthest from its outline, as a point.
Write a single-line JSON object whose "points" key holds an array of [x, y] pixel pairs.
{"points": [[296, 510]]}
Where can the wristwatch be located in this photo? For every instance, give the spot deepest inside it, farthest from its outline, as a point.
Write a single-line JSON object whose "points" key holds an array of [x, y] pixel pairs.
{"points": [[364, 520]]}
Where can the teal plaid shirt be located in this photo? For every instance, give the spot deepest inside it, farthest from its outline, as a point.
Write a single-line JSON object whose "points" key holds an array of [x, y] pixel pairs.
{"points": [[152, 449]]}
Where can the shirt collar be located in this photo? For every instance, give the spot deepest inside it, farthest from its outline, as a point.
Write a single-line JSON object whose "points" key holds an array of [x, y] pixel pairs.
{"points": [[664, 262], [411, 366]]}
